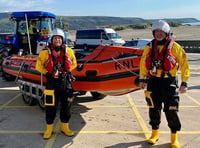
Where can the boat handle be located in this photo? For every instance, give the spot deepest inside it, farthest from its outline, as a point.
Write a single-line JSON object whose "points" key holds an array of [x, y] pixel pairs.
{"points": [[26, 66], [7, 63]]}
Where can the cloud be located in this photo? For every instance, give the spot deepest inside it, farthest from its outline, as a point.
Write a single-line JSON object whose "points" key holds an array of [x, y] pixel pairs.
{"points": [[20, 5], [181, 12]]}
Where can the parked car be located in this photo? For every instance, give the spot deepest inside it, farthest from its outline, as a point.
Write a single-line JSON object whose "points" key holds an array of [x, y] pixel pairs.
{"points": [[138, 43], [70, 43]]}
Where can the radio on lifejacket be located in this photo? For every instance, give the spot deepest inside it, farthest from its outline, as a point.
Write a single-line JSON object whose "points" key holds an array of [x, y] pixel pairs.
{"points": [[57, 70], [156, 64], [154, 70]]}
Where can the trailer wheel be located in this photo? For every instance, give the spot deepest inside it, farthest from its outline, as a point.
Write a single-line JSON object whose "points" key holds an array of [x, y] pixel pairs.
{"points": [[41, 103], [29, 100], [97, 95], [8, 77]]}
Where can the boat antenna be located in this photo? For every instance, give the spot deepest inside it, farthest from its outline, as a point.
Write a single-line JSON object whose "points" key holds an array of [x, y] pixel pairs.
{"points": [[20, 69], [27, 30]]}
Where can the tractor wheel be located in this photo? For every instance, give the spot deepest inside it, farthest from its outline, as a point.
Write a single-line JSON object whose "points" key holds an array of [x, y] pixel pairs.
{"points": [[3, 54], [97, 95]]}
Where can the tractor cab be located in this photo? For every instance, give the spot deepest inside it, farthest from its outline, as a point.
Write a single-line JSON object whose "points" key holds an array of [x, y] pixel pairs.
{"points": [[32, 30]]}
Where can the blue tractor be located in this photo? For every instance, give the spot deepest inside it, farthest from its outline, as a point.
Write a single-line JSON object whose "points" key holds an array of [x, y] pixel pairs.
{"points": [[23, 40]]}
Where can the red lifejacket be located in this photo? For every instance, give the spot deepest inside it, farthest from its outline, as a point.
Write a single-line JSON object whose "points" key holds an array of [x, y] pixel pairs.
{"points": [[54, 63], [163, 60]]}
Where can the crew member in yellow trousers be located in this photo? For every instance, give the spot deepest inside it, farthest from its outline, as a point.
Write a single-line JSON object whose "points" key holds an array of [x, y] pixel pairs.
{"points": [[55, 62], [159, 65]]}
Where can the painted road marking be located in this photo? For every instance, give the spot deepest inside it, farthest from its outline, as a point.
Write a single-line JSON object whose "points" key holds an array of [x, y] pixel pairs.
{"points": [[135, 132], [100, 106], [19, 132], [9, 88], [191, 98], [8, 102], [21, 106], [51, 141], [106, 106], [139, 117], [56, 132], [134, 107]]}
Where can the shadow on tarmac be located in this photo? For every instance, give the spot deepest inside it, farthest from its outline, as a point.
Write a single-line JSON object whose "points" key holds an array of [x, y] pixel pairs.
{"points": [[139, 144], [194, 87], [76, 122], [77, 110]]}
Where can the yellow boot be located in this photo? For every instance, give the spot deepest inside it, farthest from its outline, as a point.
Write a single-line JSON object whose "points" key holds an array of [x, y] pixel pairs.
{"points": [[174, 140], [65, 129], [48, 132], [154, 137]]}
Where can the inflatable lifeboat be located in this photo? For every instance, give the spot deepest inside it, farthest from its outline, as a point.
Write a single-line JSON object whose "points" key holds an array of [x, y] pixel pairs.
{"points": [[109, 70]]}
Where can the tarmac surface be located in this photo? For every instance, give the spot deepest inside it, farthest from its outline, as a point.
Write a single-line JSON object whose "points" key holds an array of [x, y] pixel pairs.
{"points": [[112, 122]]}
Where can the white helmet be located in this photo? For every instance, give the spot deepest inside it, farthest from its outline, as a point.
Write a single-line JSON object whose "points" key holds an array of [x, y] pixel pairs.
{"points": [[58, 32], [161, 25]]}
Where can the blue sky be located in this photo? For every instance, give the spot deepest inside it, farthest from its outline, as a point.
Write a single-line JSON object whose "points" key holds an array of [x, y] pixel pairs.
{"points": [[147, 9]]}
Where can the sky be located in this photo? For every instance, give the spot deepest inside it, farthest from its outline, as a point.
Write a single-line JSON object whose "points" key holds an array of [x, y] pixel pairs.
{"points": [[147, 9]]}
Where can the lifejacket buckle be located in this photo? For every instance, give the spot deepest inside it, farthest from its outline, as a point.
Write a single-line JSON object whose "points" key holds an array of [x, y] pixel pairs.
{"points": [[154, 70], [56, 74], [157, 63]]}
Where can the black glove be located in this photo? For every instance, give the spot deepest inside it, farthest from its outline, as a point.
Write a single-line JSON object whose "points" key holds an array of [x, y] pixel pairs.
{"points": [[143, 80], [70, 93], [184, 84]]}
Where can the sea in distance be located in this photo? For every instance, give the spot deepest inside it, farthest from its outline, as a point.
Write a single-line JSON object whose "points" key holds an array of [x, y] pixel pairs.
{"points": [[192, 24]]}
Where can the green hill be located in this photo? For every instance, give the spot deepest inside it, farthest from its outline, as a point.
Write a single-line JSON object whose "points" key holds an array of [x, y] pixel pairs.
{"points": [[83, 22]]}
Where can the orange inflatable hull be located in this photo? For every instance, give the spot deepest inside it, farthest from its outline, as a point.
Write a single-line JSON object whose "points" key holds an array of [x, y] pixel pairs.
{"points": [[110, 70]]}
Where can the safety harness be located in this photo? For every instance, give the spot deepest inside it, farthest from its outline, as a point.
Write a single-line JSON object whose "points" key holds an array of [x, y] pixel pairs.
{"points": [[164, 60], [55, 64]]}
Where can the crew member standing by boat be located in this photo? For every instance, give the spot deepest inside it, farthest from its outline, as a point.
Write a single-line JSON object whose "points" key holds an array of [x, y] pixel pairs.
{"points": [[56, 62], [159, 65]]}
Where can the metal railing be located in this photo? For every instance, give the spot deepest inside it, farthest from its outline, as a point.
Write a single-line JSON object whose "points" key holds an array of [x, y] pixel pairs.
{"points": [[190, 46]]}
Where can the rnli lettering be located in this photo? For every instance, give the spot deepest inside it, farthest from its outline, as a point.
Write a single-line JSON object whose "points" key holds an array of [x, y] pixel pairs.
{"points": [[125, 64]]}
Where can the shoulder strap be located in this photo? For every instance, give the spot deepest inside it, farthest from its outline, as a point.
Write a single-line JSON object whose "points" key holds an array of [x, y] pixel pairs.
{"points": [[153, 45], [52, 56], [168, 46], [64, 48]]}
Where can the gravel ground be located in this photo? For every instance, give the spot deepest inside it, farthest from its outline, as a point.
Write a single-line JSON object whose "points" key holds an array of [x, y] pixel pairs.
{"points": [[181, 33]]}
